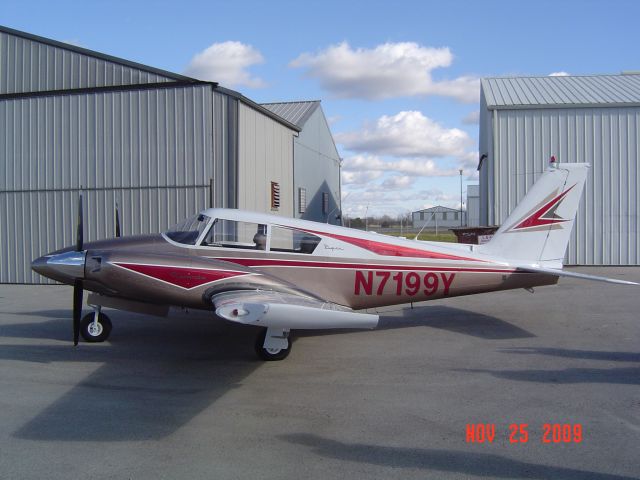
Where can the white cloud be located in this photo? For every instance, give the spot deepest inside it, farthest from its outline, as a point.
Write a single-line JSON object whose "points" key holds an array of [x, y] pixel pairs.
{"points": [[473, 118], [404, 167], [559, 74], [376, 202], [227, 63], [398, 182], [333, 120], [359, 177], [386, 71], [435, 196], [408, 134]]}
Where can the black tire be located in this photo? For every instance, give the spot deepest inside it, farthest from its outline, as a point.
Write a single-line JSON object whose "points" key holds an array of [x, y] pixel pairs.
{"points": [[271, 355], [101, 334]]}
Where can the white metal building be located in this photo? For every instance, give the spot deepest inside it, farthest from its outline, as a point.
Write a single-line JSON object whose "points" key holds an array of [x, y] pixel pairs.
{"points": [[473, 205], [161, 145], [438, 217], [316, 166], [594, 119]]}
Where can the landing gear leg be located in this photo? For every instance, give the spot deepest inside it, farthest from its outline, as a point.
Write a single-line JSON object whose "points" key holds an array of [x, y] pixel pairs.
{"points": [[96, 326], [273, 344]]}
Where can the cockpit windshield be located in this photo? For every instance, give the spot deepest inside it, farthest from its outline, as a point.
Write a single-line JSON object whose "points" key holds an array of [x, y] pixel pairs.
{"points": [[188, 231]]}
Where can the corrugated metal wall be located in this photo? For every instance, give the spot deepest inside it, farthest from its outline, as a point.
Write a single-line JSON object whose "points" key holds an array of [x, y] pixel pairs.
{"points": [[162, 152], [151, 151], [606, 230], [317, 168], [30, 66], [265, 154], [225, 144]]}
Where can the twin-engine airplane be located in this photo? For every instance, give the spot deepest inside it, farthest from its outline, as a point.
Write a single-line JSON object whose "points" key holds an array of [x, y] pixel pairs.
{"points": [[286, 274]]}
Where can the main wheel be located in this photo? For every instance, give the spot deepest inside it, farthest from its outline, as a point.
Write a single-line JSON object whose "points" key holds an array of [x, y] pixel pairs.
{"points": [[98, 332], [271, 354]]}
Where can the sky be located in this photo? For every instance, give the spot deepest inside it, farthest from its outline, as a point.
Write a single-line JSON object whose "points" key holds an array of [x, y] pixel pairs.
{"points": [[398, 81]]}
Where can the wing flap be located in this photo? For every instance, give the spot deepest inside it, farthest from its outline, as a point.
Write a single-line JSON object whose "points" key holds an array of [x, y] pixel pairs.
{"points": [[287, 311]]}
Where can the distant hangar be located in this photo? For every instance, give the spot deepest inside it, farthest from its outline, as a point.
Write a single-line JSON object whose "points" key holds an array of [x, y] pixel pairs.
{"points": [[161, 145], [594, 119]]}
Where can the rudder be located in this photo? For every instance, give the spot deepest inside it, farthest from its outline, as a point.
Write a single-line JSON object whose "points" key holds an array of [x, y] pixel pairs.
{"points": [[539, 228]]}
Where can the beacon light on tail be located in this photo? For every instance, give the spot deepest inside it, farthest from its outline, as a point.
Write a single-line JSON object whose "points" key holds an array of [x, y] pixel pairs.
{"points": [[287, 274]]}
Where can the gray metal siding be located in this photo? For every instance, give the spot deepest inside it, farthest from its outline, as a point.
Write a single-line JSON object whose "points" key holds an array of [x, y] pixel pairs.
{"points": [[606, 231], [31, 66], [265, 154], [225, 151], [485, 148], [151, 151], [317, 168]]}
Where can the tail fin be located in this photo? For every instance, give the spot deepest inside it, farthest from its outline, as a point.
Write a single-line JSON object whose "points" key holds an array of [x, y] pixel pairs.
{"points": [[538, 229]]}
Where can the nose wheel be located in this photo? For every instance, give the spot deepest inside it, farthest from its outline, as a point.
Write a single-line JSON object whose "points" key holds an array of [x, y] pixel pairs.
{"points": [[95, 327]]}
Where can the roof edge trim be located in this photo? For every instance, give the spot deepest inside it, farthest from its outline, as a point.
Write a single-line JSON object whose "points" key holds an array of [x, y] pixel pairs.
{"points": [[258, 107], [106, 89], [562, 106]]}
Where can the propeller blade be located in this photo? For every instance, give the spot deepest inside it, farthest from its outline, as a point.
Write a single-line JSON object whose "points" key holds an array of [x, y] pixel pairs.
{"points": [[77, 310], [80, 227], [117, 221]]}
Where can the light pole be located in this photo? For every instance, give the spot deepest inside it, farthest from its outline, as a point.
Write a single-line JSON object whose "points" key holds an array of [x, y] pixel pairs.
{"points": [[366, 220], [461, 197]]}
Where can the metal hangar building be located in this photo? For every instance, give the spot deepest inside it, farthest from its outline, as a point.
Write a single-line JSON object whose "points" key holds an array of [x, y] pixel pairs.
{"points": [[161, 145], [316, 169], [594, 119]]}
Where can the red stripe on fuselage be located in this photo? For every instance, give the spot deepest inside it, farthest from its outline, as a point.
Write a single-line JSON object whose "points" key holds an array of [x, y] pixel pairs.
{"points": [[258, 262], [390, 250], [185, 277]]}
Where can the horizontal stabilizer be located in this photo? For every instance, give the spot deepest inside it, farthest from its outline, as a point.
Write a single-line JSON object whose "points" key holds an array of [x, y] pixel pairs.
{"points": [[564, 273]]}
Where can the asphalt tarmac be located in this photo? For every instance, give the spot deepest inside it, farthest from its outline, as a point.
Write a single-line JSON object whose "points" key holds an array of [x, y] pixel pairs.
{"points": [[185, 398]]}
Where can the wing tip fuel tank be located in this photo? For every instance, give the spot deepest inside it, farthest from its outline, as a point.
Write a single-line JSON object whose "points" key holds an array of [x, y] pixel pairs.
{"points": [[295, 316]]}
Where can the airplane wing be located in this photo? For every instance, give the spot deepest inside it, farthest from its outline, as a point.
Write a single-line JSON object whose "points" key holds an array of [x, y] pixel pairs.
{"points": [[268, 308], [564, 273]]}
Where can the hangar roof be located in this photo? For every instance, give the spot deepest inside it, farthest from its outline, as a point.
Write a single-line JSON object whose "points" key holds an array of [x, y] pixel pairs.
{"points": [[295, 112], [437, 209], [94, 54], [559, 91], [174, 79]]}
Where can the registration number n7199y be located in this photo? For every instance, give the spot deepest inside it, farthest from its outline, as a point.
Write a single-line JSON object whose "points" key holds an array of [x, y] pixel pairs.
{"points": [[369, 282]]}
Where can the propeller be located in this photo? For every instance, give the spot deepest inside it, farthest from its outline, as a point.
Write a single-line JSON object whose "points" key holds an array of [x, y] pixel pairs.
{"points": [[77, 310], [79, 228], [117, 221], [77, 285]]}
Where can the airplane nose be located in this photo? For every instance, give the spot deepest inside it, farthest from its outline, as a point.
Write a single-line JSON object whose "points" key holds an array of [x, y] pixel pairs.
{"points": [[65, 267]]}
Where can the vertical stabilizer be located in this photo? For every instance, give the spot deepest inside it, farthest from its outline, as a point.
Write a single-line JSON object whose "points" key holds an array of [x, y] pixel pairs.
{"points": [[538, 229]]}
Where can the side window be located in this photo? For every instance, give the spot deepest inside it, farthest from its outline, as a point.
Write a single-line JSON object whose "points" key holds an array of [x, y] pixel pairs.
{"points": [[292, 240], [233, 234]]}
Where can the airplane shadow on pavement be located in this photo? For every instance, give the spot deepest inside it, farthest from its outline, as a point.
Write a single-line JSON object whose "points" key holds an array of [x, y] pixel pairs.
{"points": [[627, 375], [455, 320], [153, 377], [453, 461], [156, 374]]}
